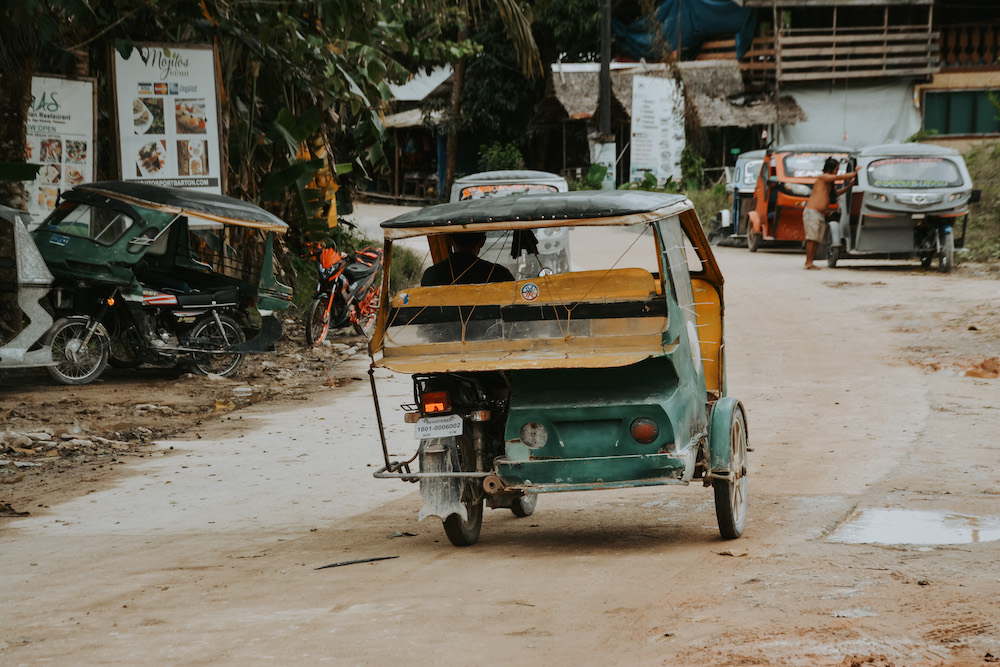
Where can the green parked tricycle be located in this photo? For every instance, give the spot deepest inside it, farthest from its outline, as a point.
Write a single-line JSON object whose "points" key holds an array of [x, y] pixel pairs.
{"points": [[610, 374], [129, 273]]}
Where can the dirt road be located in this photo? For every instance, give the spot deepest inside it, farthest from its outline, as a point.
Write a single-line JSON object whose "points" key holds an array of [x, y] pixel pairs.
{"points": [[206, 551]]}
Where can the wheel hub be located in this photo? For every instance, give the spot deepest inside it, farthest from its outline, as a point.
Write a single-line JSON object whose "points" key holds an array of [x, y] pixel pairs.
{"points": [[73, 349]]}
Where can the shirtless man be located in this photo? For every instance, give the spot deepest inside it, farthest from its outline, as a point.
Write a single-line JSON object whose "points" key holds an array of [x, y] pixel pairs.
{"points": [[814, 214]]}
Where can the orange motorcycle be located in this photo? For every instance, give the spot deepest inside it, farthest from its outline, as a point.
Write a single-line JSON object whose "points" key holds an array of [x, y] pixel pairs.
{"points": [[347, 292]]}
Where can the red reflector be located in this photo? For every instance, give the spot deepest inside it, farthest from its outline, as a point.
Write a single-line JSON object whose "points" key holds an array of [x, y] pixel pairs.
{"points": [[435, 401], [645, 431]]}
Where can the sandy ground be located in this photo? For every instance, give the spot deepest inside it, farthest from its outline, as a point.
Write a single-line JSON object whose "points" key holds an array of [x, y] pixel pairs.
{"points": [[868, 387]]}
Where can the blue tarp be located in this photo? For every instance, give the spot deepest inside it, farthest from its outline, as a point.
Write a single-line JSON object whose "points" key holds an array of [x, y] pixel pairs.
{"points": [[701, 20]]}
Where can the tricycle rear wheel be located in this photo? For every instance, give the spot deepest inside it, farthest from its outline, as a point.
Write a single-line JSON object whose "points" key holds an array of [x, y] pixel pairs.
{"points": [[731, 492], [946, 258], [465, 533], [525, 505]]}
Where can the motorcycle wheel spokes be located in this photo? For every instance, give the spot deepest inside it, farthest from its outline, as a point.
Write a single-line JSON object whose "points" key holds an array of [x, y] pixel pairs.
{"points": [[77, 363], [367, 311], [207, 330], [318, 319]]}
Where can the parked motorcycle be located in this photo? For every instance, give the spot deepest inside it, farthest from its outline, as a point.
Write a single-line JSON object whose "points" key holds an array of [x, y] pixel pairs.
{"points": [[347, 292], [144, 274], [202, 330]]}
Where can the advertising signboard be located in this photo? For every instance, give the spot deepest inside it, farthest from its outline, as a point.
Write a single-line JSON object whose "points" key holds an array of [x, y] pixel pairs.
{"points": [[60, 137], [657, 128], [167, 116]]}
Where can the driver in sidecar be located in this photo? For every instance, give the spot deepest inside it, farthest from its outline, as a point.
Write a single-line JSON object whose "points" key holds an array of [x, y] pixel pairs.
{"points": [[464, 266]]}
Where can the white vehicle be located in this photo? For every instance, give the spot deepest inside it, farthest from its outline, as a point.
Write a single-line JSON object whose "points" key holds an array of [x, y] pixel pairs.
{"points": [[553, 242], [907, 202]]}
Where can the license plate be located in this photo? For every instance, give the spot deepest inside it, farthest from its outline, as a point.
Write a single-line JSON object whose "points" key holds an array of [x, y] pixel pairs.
{"points": [[438, 427]]}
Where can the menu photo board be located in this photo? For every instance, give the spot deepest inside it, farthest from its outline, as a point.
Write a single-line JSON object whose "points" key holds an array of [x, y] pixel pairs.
{"points": [[167, 113], [60, 138]]}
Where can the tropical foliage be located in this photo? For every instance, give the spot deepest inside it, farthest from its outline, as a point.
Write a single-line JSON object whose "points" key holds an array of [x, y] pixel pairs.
{"points": [[500, 156], [982, 241], [303, 81]]}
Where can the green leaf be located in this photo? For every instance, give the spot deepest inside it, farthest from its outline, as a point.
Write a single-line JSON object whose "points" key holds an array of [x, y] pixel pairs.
{"points": [[124, 47], [376, 70], [343, 168], [375, 153], [595, 175], [279, 181], [354, 86], [292, 130]]}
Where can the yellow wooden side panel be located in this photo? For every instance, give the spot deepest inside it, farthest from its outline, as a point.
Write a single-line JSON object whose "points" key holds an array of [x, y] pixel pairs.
{"points": [[599, 343], [533, 354], [563, 288], [708, 308]]}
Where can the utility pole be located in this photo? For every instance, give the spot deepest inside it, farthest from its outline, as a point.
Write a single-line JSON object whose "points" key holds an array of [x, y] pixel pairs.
{"points": [[604, 126], [602, 143]]}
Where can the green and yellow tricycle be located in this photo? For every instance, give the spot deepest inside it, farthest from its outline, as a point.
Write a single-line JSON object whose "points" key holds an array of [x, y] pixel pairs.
{"points": [[610, 374]]}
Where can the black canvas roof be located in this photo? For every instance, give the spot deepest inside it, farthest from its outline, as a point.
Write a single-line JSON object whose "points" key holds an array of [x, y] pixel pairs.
{"points": [[203, 204]]}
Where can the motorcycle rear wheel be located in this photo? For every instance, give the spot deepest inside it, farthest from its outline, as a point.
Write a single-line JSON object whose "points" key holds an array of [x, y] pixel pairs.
{"points": [[223, 365], [125, 351], [317, 319], [77, 363]]}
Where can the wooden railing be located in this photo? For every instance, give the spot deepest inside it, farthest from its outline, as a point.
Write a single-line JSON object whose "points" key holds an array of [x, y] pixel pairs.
{"points": [[970, 46], [843, 53], [717, 49], [758, 63], [858, 53]]}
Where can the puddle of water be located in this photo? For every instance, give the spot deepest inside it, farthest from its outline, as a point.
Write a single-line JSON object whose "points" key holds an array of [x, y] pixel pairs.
{"points": [[860, 612], [898, 526]]}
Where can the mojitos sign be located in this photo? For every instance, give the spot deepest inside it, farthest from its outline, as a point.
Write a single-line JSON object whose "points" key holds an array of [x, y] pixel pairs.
{"points": [[167, 114]]}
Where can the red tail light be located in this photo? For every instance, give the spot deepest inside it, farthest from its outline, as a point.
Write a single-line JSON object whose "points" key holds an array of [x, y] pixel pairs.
{"points": [[435, 401], [644, 431]]}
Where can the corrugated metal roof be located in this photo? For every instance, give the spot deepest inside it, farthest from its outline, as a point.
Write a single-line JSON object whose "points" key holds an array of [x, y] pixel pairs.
{"points": [[420, 85], [410, 118]]}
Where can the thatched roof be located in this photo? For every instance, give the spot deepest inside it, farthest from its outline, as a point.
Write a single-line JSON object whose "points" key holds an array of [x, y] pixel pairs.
{"points": [[720, 112], [716, 78], [714, 88], [577, 92]]}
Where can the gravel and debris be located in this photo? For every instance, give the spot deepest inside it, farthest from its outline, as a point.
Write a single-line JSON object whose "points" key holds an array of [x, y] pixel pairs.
{"points": [[47, 428]]}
